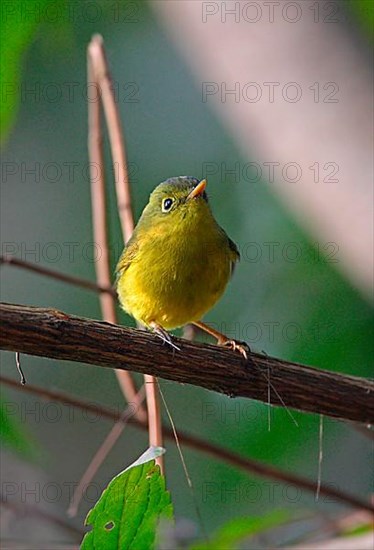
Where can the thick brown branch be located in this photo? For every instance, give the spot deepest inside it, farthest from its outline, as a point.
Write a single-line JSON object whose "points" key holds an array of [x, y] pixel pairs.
{"points": [[53, 334]]}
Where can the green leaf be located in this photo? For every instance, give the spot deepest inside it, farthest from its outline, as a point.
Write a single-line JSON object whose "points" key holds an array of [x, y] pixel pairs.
{"points": [[234, 531], [129, 509]]}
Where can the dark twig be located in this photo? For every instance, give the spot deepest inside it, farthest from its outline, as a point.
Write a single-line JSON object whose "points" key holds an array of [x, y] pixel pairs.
{"points": [[52, 274], [34, 511], [202, 445]]}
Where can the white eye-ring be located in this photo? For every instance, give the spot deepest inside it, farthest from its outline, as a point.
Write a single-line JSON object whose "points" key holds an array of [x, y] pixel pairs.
{"points": [[167, 204]]}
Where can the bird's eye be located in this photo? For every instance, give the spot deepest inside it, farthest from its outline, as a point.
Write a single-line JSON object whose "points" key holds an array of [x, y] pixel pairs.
{"points": [[167, 204]]}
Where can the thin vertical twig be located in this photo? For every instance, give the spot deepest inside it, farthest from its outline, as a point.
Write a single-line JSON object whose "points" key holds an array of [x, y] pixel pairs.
{"points": [[100, 72], [99, 221], [184, 465], [116, 138]]}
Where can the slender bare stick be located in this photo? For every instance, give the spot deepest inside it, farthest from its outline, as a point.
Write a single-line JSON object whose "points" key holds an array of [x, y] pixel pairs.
{"points": [[99, 220], [117, 142], [52, 274], [98, 201], [201, 445]]}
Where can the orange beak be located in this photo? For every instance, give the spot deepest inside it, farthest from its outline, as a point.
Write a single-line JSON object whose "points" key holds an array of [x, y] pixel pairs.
{"points": [[198, 190]]}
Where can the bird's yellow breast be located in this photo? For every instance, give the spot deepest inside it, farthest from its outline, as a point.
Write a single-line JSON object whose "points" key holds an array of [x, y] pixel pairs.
{"points": [[175, 274]]}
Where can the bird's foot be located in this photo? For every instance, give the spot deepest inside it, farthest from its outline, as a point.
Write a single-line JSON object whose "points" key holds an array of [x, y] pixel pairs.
{"points": [[164, 335], [235, 345], [222, 340]]}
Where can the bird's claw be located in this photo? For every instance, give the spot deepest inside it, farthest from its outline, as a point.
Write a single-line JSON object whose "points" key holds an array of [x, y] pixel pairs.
{"points": [[164, 335], [235, 345]]}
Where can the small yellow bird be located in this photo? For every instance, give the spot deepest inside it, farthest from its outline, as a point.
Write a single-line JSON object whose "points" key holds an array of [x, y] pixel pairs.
{"points": [[178, 261]]}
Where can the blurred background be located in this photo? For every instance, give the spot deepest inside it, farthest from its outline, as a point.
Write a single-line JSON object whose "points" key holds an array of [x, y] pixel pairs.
{"points": [[273, 104]]}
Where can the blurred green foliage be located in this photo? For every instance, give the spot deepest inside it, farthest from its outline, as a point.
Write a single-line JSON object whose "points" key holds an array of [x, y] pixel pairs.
{"points": [[235, 532], [363, 10]]}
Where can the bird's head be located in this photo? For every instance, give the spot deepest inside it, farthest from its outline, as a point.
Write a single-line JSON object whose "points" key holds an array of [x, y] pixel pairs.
{"points": [[178, 200]]}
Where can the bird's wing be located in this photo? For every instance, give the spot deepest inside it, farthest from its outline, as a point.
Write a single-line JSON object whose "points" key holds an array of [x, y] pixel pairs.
{"points": [[127, 256], [234, 254]]}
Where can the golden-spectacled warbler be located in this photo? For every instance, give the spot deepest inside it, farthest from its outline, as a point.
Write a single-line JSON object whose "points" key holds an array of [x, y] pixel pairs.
{"points": [[178, 261]]}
